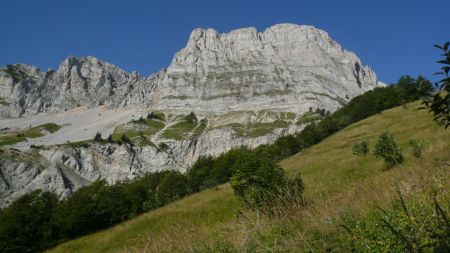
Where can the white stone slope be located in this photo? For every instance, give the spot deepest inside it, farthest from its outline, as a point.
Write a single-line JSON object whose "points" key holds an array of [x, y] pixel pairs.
{"points": [[242, 78]]}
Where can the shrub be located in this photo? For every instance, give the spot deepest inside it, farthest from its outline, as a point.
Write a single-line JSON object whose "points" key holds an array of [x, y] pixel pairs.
{"points": [[262, 184], [256, 179], [387, 149], [416, 226], [361, 148], [416, 148]]}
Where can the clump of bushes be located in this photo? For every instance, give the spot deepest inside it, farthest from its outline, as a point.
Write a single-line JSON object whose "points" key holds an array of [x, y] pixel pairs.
{"points": [[388, 149], [361, 148]]}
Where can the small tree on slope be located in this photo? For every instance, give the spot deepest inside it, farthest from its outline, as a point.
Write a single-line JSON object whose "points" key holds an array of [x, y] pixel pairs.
{"points": [[388, 149]]}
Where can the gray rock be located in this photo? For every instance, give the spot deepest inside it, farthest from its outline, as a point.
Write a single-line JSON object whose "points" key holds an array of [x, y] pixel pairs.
{"points": [[241, 77]]}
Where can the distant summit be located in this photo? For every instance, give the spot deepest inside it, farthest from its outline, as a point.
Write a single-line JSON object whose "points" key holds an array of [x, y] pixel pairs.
{"points": [[288, 67]]}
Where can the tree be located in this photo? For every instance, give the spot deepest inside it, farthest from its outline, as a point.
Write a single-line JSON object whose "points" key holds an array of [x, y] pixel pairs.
{"points": [[439, 102], [199, 176], [110, 139], [256, 180], [172, 186], [26, 225], [98, 137], [387, 149]]}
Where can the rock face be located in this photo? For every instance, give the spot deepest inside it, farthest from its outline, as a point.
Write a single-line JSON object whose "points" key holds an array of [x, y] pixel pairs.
{"points": [[234, 82], [83, 81], [242, 69]]}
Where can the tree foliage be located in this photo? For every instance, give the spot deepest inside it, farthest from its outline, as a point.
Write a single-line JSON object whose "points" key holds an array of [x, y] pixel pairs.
{"points": [[439, 102], [26, 225], [387, 149], [256, 180]]}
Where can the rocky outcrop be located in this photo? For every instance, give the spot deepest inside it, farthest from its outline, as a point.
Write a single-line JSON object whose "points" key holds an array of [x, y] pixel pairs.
{"points": [[79, 81], [242, 69], [234, 81]]}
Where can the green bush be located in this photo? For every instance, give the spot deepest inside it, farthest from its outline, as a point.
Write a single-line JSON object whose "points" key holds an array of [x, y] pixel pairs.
{"points": [[257, 179], [388, 149], [361, 148], [416, 226], [262, 184]]}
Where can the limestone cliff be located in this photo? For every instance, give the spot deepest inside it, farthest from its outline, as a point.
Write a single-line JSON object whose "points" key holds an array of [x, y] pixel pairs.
{"points": [[245, 88]]}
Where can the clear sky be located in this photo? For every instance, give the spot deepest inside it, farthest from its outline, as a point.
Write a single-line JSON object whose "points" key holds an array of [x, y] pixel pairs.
{"points": [[394, 37]]}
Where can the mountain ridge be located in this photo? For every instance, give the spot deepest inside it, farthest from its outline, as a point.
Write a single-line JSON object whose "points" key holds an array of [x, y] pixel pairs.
{"points": [[243, 61], [244, 88]]}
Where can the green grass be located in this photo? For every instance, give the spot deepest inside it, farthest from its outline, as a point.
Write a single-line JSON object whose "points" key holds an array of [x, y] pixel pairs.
{"points": [[257, 129], [200, 128], [180, 130], [308, 117], [13, 137], [149, 127], [51, 127], [84, 143], [158, 116], [10, 139], [339, 186], [210, 208], [144, 141]]}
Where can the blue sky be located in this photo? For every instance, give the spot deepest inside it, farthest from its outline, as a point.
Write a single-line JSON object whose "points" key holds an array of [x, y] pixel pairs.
{"points": [[393, 37]]}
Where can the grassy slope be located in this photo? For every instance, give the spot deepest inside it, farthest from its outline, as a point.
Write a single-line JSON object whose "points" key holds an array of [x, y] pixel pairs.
{"points": [[11, 137], [338, 184]]}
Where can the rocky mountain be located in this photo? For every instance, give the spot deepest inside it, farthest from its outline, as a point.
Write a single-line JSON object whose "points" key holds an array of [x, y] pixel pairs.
{"points": [[244, 88]]}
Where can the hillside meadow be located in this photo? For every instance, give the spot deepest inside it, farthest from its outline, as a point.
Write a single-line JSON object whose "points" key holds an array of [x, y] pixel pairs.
{"points": [[340, 186]]}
